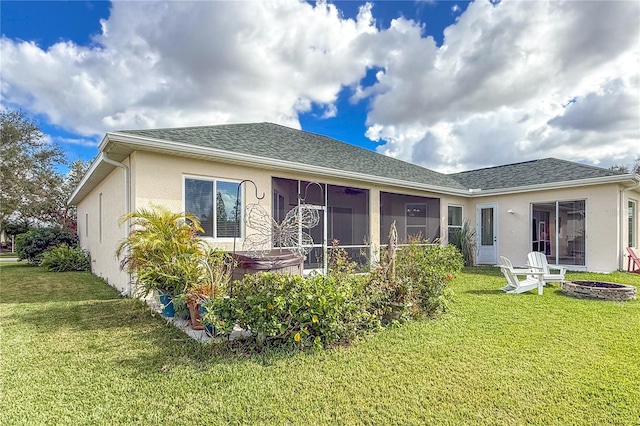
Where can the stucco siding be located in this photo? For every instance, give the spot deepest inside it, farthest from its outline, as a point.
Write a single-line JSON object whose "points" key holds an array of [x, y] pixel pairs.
{"points": [[602, 223], [99, 230]]}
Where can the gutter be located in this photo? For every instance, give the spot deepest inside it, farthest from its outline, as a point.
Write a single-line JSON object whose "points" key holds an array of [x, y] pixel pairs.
{"points": [[127, 207], [269, 163], [622, 218]]}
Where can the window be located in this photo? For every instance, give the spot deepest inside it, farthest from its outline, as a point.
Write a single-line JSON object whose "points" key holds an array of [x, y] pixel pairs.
{"points": [[559, 231], [86, 224], [416, 215], [217, 213], [454, 217], [632, 224]]}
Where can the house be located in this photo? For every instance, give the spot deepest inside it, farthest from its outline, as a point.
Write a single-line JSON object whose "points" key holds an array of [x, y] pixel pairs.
{"points": [[580, 216]]}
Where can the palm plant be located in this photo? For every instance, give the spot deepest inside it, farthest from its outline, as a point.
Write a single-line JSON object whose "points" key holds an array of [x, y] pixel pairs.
{"points": [[162, 250]]}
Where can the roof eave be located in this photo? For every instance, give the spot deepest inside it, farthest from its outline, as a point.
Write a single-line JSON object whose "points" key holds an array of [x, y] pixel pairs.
{"points": [[75, 195], [138, 142], [629, 178]]}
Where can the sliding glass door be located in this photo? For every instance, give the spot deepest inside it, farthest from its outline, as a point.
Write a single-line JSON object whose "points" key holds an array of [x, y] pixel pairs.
{"points": [[558, 229]]}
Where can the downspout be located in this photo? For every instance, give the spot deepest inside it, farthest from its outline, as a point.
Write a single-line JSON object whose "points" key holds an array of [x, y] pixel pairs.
{"points": [[622, 219], [127, 207]]}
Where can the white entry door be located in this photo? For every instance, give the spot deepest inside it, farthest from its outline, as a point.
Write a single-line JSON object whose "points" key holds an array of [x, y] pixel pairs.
{"points": [[487, 233]]}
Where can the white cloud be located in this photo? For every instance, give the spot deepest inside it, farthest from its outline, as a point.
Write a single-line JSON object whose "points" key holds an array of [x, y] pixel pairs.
{"points": [[192, 63], [493, 93], [496, 90]]}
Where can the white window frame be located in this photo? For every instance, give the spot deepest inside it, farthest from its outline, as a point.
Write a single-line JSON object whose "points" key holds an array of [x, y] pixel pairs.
{"points": [[215, 181], [450, 227]]}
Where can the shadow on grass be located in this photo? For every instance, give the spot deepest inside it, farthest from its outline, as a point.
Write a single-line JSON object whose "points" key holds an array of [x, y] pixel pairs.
{"points": [[82, 310], [24, 283], [131, 336], [495, 292]]}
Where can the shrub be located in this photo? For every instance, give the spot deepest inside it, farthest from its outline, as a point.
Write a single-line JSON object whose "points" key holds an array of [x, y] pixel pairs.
{"points": [[162, 250], [423, 271], [282, 309], [64, 258], [33, 244]]}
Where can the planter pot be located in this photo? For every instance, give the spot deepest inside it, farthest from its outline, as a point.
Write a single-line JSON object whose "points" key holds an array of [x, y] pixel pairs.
{"points": [[194, 313], [209, 329], [396, 310], [166, 302]]}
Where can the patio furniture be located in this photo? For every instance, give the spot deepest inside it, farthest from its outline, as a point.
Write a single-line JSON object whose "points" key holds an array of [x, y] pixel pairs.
{"points": [[633, 264], [538, 261], [515, 285]]}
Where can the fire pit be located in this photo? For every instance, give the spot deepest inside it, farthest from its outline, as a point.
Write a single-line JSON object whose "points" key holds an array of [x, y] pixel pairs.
{"points": [[599, 290]]}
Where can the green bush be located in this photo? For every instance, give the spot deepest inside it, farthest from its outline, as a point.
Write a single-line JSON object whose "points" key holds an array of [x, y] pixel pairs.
{"points": [[423, 271], [31, 245], [64, 258], [282, 309]]}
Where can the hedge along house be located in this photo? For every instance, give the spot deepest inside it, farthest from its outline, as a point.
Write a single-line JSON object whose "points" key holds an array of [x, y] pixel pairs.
{"points": [[578, 215]]}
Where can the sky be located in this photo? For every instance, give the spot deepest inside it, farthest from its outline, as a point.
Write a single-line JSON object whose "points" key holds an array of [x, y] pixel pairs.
{"points": [[448, 85]]}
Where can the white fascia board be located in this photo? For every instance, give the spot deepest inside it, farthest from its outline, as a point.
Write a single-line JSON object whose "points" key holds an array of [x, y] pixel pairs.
{"points": [[252, 160], [92, 168], [557, 185]]}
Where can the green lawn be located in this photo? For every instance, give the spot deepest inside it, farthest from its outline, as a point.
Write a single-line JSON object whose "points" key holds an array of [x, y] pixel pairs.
{"points": [[73, 353]]}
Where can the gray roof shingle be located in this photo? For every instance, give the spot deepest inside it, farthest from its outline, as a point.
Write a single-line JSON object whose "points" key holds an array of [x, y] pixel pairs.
{"points": [[273, 141], [536, 172]]}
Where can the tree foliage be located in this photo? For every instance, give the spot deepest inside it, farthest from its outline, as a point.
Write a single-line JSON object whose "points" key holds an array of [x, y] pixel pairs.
{"points": [[31, 190], [32, 245], [625, 169], [56, 209]]}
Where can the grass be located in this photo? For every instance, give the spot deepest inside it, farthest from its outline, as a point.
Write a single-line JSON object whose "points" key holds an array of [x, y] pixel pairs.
{"points": [[8, 254], [71, 352]]}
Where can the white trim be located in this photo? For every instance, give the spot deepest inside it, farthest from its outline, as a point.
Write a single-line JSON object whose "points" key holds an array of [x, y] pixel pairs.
{"points": [[179, 148], [274, 164], [496, 239]]}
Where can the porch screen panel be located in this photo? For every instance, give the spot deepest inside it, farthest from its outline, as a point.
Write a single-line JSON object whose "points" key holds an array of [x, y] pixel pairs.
{"points": [[412, 214], [348, 221]]}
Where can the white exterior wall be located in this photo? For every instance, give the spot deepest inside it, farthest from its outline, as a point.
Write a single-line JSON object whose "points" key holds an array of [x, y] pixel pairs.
{"points": [[100, 232], [602, 223], [159, 179]]}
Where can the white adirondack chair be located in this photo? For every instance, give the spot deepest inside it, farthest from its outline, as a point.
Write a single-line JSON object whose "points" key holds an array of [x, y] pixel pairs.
{"points": [[514, 284], [538, 261]]}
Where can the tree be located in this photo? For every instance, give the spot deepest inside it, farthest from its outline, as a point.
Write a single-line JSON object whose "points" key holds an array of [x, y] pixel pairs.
{"points": [[27, 160], [625, 169], [619, 168], [57, 210]]}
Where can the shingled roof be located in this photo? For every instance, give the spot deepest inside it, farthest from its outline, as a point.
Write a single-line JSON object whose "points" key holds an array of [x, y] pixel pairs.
{"points": [[277, 142], [536, 172]]}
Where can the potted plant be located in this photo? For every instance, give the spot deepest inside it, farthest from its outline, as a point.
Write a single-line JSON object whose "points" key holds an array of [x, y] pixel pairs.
{"points": [[217, 268], [162, 251]]}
